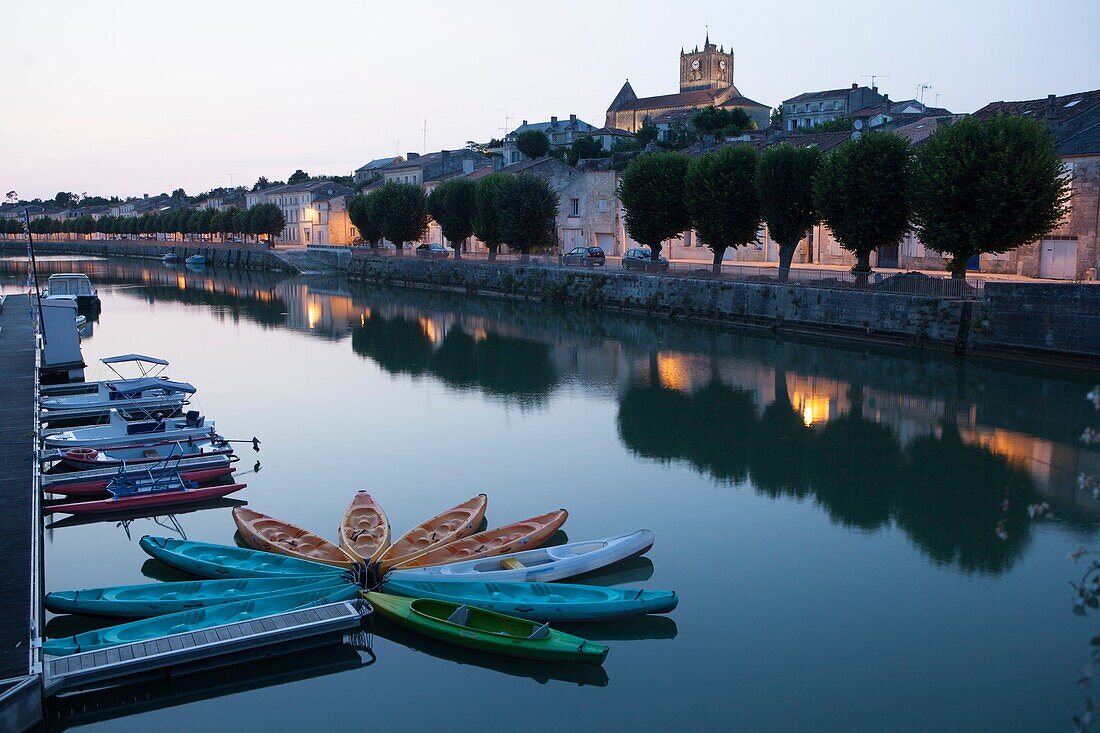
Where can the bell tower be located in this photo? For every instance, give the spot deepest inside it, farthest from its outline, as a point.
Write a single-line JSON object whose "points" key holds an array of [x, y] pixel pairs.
{"points": [[711, 68]]}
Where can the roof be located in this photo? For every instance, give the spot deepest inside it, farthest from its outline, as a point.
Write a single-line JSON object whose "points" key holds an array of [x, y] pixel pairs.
{"points": [[555, 126], [823, 141], [378, 163], [826, 94], [699, 97], [739, 101], [614, 131], [921, 129], [1066, 106]]}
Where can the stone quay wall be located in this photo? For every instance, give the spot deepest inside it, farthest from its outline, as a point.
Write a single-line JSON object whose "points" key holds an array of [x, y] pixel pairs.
{"points": [[219, 255], [1061, 318]]}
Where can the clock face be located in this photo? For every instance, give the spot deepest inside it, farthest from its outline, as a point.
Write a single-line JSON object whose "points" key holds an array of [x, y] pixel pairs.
{"points": [[695, 64], [722, 65]]}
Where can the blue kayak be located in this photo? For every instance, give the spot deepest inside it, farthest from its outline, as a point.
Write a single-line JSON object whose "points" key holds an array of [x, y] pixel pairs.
{"points": [[195, 620], [224, 561], [157, 599], [540, 601]]}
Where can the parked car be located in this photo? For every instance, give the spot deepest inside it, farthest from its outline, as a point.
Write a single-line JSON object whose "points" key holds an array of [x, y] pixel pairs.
{"points": [[433, 251], [641, 258], [234, 240], [585, 257]]}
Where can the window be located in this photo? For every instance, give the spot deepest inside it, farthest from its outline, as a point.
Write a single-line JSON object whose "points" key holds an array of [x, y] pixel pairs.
{"points": [[601, 205], [574, 207], [1067, 105]]}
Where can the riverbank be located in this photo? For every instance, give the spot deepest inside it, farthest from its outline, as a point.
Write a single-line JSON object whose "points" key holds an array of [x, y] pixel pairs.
{"points": [[1055, 323], [251, 257]]}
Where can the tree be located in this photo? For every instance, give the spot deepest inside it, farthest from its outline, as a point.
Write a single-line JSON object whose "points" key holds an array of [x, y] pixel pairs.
{"points": [[11, 196], [364, 215], [861, 191], [266, 219], [840, 124], [784, 187], [297, 176], [583, 149], [528, 209], [720, 194], [403, 213], [646, 134], [64, 198], [260, 184], [711, 120], [987, 186], [451, 205], [179, 195], [533, 143], [652, 192], [486, 220], [776, 118]]}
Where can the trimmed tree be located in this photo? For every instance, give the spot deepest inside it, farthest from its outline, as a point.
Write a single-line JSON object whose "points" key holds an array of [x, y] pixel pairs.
{"points": [[652, 192], [720, 193], [861, 191], [451, 204], [486, 220], [987, 186], [533, 143], [363, 212], [784, 186], [527, 211], [402, 213]]}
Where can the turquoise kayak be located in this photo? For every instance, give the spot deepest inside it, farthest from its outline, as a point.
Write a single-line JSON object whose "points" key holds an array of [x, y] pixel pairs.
{"points": [[224, 561], [541, 601], [157, 599], [195, 620]]}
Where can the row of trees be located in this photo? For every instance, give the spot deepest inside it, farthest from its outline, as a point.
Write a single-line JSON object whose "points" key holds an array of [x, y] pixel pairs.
{"points": [[264, 219], [498, 209], [974, 187]]}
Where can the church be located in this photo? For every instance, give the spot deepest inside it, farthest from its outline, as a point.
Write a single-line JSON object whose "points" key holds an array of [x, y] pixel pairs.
{"points": [[706, 78]]}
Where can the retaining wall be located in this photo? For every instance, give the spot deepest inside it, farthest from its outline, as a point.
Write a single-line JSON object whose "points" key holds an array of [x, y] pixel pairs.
{"points": [[223, 255], [1055, 317]]}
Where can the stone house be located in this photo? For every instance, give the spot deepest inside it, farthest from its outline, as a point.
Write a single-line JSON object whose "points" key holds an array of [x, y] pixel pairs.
{"points": [[561, 133], [299, 204], [372, 170], [424, 169], [813, 108]]}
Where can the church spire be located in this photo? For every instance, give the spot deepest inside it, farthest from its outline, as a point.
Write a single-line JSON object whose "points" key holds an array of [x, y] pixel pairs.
{"points": [[707, 42]]}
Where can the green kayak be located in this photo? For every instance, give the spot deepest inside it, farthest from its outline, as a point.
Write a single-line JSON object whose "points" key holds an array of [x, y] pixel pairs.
{"points": [[224, 561], [485, 630], [157, 599], [195, 620]]}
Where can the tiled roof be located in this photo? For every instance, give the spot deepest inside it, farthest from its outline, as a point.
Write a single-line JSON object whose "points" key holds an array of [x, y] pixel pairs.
{"points": [[827, 94], [612, 131], [555, 126], [699, 97], [378, 163], [739, 101], [823, 141], [1065, 107], [920, 130]]}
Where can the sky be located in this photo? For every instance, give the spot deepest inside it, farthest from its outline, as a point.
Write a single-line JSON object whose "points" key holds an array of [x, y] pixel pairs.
{"points": [[125, 98]]}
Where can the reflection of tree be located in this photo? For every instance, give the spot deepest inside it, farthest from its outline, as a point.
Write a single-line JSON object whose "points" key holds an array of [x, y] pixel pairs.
{"points": [[778, 459], [653, 422], [500, 365], [950, 497], [855, 461], [270, 312]]}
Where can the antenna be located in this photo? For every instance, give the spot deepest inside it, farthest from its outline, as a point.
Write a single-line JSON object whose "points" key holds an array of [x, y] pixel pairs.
{"points": [[507, 126], [231, 181], [873, 77], [920, 91], [425, 131], [937, 102]]}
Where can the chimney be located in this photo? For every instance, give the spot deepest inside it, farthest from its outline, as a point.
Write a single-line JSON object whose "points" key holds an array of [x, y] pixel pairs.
{"points": [[874, 90], [444, 157], [145, 196], [412, 156], [1052, 108], [553, 120], [886, 102], [572, 118], [524, 124], [854, 85], [467, 166]]}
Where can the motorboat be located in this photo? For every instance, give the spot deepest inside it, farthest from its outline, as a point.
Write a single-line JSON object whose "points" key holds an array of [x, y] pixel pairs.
{"points": [[85, 459], [196, 260], [118, 432], [147, 394], [124, 367], [171, 257], [76, 285]]}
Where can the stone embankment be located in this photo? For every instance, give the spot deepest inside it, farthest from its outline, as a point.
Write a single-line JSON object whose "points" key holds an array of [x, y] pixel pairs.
{"points": [[246, 256], [1055, 323]]}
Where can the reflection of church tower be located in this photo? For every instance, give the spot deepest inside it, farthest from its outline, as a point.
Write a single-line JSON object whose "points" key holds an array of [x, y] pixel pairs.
{"points": [[711, 68]]}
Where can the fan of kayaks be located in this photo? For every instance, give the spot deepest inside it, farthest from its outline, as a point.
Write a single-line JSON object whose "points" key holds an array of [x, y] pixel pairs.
{"points": [[487, 590]]}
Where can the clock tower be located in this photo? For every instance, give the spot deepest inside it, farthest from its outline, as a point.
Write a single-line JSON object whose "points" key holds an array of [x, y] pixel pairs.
{"points": [[710, 69]]}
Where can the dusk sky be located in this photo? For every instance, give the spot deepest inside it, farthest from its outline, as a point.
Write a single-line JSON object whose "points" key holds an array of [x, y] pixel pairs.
{"points": [[125, 98]]}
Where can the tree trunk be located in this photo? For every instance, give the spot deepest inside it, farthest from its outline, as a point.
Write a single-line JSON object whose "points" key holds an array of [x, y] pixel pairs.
{"points": [[493, 252], [458, 249], [655, 252], [786, 254], [716, 262], [862, 269], [957, 267]]}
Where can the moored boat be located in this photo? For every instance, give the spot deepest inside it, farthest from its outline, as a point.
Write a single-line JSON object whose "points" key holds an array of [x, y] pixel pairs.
{"points": [[92, 458], [364, 529], [93, 486], [541, 601], [524, 535], [147, 394], [283, 538], [171, 257], [486, 631], [119, 432], [74, 285], [542, 565], [208, 560], [453, 524], [196, 260], [157, 599], [127, 495], [194, 620]]}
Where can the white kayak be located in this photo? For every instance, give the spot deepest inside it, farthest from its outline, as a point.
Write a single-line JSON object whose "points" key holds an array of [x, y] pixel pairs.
{"points": [[121, 432], [536, 566]]}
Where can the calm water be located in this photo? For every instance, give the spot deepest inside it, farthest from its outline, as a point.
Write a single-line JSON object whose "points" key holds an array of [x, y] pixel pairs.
{"points": [[830, 517]]}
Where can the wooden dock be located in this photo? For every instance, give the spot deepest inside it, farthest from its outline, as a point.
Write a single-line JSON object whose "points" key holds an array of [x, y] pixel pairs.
{"points": [[20, 520]]}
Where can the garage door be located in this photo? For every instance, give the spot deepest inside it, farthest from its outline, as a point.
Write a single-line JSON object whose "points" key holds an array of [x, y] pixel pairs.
{"points": [[1058, 259], [606, 242], [572, 238]]}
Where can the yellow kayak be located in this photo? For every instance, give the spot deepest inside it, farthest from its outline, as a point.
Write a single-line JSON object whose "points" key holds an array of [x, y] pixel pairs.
{"points": [[262, 532], [453, 524], [365, 529]]}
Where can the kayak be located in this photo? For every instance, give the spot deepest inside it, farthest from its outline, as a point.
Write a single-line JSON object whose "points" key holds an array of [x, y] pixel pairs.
{"points": [[156, 599], [453, 524], [365, 529], [224, 561], [196, 619], [283, 538], [145, 499], [541, 601], [486, 631], [541, 565], [525, 535], [94, 486]]}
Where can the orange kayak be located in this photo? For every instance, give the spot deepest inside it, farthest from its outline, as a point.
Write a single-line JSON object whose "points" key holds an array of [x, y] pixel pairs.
{"points": [[365, 529], [262, 532], [453, 524], [525, 535]]}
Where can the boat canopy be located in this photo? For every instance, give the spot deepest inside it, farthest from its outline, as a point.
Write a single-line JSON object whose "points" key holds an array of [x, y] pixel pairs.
{"points": [[124, 358], [133, 387]]}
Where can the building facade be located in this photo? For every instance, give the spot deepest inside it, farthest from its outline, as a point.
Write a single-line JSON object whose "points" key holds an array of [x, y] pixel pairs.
{"points": [[560, 133], [814, 108]]}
